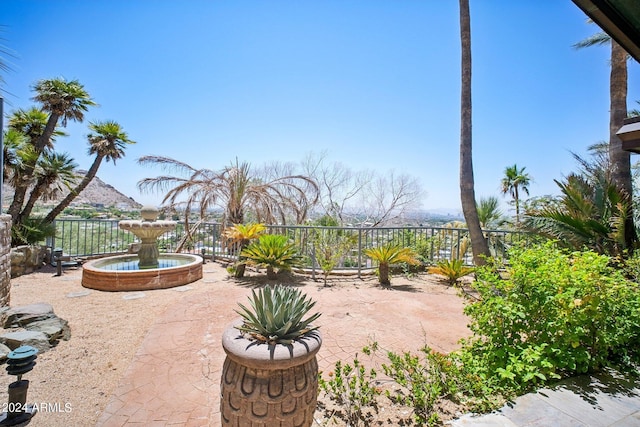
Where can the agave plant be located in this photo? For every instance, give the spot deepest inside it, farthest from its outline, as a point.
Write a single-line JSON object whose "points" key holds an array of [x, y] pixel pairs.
{"points": [[452, 270], [272, 251], [390, 254], [276, 315]]}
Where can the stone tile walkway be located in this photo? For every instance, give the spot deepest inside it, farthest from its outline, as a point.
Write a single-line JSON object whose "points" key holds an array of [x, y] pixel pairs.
{"points": [[602, 400]]}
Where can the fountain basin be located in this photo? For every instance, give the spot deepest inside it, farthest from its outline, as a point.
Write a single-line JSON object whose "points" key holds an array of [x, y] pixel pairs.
{"points": [[120, 273]]}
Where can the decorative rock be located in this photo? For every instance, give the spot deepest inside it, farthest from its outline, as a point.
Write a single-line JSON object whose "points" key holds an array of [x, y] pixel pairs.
{"points": [[134, 295], [78, 294], [36, 319], [20, 316], [55, 328], [4, 351], [27, 258], [35, 339]]}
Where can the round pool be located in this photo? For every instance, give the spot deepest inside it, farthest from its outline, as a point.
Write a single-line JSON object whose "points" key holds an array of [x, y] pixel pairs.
{"points": [[121, 273]]}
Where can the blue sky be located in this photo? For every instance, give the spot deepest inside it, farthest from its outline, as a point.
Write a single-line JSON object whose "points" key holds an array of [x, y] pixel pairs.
{"points": [[375, 83]]}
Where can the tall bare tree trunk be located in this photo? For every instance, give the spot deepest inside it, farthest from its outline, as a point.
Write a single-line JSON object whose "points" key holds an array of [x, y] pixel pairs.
{"points": [[479, 245], [620, 159]]}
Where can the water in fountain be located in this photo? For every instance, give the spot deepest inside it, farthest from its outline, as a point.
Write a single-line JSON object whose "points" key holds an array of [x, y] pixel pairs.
{"points": [[148, 269]]}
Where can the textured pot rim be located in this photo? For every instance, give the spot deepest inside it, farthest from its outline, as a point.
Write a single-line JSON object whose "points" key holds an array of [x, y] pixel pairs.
{"points": [[268, 356]]}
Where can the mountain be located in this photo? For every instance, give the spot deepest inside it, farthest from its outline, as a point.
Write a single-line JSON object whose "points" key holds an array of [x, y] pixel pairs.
{"points": [[98, 193]]}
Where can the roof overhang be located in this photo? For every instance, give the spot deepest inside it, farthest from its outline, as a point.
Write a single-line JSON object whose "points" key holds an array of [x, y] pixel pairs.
{"points": [[618, 18], [629, 134]]}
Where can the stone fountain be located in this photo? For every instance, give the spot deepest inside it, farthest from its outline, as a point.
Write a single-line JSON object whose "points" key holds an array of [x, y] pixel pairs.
{"points": [[148, 230], [148, 269]]}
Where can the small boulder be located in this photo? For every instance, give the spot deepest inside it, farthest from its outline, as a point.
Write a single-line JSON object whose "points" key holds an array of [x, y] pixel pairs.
{"points": [[35, 339], [55, 328], [23, 315], [4, 352]]}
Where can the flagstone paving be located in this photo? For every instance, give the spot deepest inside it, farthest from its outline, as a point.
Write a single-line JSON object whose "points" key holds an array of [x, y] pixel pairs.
{"points": [[601, 400]]}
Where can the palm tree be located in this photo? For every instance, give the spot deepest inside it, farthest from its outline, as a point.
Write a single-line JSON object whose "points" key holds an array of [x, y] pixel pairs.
{"points": [[32, 123], [234, 188], [14, 143], [591, 212], [619, 158], [54, 173], [390, 254], [479, 244], [489, 213], [107, 142], [515, 180], [63, 100]]}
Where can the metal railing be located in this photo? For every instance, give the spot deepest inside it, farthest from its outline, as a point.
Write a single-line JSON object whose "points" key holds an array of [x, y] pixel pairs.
{"points": [[84, 238]]}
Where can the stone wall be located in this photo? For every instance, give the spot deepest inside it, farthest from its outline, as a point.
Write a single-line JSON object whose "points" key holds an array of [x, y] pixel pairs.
{"points": [[28, 258], [5, 260]]}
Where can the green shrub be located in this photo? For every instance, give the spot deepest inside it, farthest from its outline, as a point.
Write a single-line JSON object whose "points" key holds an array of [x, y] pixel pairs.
{"points": [[423, 380], [31, 231], [352, 387], [558, 314]]}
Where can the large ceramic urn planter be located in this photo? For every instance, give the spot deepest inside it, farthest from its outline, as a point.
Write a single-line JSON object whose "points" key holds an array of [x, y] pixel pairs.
{"points": [[267, 385]]}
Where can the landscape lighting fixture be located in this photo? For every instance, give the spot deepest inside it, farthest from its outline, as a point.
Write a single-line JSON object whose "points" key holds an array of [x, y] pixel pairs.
{"points": [[19, 362]]}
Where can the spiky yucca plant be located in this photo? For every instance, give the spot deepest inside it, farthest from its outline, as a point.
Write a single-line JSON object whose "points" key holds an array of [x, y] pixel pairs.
{"points": [[272, 251], [390, 254], [276, 315], [452, 270]]}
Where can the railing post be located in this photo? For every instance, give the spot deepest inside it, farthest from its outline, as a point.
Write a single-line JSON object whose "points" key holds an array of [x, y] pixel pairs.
{"points": [[313, 260], [213, 242], [51, 241], [359, 252]]}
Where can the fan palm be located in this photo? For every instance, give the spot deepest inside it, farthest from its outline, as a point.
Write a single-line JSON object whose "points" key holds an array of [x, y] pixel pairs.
{"points": [[591, 212], [107, 142], [54, 173], [390, 254], [479, 244], [14, 145], [515, 180], [63, 101], [234, 188], [490, 219], [620, 158], [32, 123], [489, 212]]}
